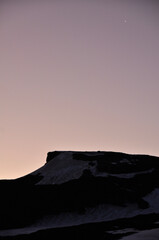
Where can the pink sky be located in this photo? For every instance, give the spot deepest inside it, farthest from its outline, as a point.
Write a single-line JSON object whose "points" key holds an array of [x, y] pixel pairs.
{"points": [[77, 75]]}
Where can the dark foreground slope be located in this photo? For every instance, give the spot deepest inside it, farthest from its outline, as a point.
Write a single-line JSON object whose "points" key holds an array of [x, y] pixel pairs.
{"points": [[80, 195]]}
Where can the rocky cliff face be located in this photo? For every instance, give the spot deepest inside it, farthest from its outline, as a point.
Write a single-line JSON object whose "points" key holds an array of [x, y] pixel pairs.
{"points": [[81, 195]]}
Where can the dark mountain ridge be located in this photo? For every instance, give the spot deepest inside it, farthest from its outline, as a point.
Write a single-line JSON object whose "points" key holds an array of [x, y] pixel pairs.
{"points": [[75, 189]]}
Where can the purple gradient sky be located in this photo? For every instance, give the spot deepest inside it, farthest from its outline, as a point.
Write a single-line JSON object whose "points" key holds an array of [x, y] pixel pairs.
{"points": [[77, 75]]}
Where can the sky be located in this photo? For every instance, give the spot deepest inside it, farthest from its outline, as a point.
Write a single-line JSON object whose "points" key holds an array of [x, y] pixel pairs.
{"points": [[77, 75]]}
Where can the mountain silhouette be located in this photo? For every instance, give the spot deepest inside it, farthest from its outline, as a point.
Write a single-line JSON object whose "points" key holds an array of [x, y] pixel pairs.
{"points": [[83, 195]]}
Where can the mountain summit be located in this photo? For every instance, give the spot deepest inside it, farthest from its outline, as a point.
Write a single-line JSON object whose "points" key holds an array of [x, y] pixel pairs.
{"points": [[79, 195]]}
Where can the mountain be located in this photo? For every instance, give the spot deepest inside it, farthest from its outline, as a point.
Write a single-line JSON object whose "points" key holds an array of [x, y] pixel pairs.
{"points": [[83, 195]]}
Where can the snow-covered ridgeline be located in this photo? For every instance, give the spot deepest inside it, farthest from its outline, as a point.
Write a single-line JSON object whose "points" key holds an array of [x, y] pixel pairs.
{"points": [[64, 168], [61, 169]]}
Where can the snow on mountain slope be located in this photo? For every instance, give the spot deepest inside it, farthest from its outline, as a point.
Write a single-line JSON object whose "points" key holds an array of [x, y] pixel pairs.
{"points": [[61, 169], [144, 235], [76, 188], [99, 214], [64, 166], [153, 200]]}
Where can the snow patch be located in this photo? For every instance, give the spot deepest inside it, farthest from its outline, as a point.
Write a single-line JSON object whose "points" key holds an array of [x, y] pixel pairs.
{"points": [[64, 168], [125, 161], [121, 231], [123, 175], [144, 235], [153, 200], [61, 169], [131, 175], [101, 213]]}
